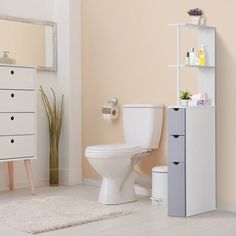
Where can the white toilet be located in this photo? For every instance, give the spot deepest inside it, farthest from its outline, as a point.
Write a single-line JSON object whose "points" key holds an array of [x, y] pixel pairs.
{"points": [[142, 125]]}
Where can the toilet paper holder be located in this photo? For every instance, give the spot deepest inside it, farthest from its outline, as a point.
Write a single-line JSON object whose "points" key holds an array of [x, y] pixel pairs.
{"points": [[113, 101], [109, 106]]}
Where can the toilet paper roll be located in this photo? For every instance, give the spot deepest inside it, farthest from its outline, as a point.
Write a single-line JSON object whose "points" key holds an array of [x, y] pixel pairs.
{"points": [[109, 114]]}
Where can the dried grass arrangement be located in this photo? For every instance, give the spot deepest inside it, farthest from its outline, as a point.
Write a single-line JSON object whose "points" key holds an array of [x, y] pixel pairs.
{"points": [[54, 112]]}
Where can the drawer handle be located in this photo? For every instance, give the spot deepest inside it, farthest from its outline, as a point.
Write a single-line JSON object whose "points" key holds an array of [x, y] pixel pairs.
{"points": [[176, 109], [12, 118], [12, 72], [12, 140], [12, 95], [176, 163], [175, 136]]}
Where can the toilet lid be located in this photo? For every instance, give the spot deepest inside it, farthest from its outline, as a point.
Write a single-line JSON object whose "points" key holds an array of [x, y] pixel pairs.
{"points": [[112, 150]]}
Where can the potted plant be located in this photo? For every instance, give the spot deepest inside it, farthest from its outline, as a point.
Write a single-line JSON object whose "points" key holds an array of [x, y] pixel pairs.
{"points": [[195, 15], [54, 112], [184, 97]]}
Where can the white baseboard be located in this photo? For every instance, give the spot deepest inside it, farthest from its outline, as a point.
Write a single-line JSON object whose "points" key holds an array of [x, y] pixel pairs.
{"points": [[70, 176], [143, 191], [226, 207], [139, 190], [92, 182]]}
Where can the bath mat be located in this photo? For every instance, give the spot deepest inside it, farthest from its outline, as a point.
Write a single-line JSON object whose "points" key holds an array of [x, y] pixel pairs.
{"points": [[50, 213]]}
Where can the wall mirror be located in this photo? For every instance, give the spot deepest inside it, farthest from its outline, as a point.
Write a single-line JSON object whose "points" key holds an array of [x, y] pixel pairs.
{"points": [[28, 42]]}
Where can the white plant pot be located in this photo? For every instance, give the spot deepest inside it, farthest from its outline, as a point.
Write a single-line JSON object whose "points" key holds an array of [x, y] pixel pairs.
{"points": [[195, 20], [184, 103]]}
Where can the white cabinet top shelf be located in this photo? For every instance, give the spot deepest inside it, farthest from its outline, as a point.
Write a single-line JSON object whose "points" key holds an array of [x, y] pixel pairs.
{"points": [[16, 65], [193, 107], [185, 25], [191, 66]]}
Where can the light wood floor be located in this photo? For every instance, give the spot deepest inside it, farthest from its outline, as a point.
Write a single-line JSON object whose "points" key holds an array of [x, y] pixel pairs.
{"points": [[145, 220]]}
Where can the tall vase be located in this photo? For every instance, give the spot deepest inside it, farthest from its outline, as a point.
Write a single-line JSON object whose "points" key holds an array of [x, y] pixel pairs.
{"points": [[54, 161]]}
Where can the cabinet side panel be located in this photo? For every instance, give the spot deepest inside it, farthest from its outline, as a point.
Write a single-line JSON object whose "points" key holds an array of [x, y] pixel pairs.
{"points": [[36, 113], [200, 160]]}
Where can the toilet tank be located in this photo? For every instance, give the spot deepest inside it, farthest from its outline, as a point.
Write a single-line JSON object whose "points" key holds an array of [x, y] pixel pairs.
{"points": [[142, 124]]}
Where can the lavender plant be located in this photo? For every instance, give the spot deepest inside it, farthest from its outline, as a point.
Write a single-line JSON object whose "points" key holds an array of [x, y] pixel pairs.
{"points": [[195, 12]]}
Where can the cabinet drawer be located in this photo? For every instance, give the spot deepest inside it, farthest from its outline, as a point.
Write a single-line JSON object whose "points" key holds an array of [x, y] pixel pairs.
{"points": [[176, 121], [17, 78], [17, 101], [17, 123], [176, 148], [176, 189], [17, 146]]}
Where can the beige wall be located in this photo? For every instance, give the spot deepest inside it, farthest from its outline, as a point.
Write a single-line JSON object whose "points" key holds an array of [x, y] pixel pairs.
{"points": [[127, 46], [25, 42]]}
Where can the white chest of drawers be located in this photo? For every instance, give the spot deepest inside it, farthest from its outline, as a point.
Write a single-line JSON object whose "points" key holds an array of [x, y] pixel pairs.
{"points": [[18, 117]]}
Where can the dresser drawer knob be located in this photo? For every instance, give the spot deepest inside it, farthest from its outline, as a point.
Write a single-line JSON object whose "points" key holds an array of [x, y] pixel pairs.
{"points": [[12, 140], [12, 72], [12, 95], [12, 118]]}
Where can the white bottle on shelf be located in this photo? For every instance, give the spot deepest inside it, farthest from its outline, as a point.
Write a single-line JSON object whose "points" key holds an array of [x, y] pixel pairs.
{"points": [[192, 57], [187, 59]]}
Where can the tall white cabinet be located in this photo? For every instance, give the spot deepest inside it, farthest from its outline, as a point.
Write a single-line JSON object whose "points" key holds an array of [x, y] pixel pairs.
{"points": [[191, 137], [18, 118]]}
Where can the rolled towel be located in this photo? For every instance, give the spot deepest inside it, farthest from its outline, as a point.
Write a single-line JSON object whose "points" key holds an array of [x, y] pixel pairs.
{"points": [[205, 102], [196, 102]]}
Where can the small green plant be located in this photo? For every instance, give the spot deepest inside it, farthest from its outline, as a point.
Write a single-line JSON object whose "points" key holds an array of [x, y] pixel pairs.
{"points": [[185, 95]]}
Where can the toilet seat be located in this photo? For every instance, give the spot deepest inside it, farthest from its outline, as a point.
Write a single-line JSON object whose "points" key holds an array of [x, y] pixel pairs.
{"points": [[113, 151]]}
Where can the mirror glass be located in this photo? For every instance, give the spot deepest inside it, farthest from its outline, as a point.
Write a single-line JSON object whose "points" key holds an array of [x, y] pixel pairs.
{"points": [[28, 42]]}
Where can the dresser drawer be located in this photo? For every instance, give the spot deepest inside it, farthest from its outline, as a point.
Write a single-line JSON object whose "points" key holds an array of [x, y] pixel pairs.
{"points": [[17, 78], [176, 121], [17, 101], [17, 146], [17, 123], [176, 148]]}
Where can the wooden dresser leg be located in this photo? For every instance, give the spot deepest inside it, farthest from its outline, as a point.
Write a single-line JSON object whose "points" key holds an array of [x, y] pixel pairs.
{"points": [[29, 175], [11, 174]]}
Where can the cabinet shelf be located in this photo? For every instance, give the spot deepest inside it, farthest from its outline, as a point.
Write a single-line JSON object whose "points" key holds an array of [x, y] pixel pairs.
{"points": [[193, 107], [191, 66], [191, 26]]}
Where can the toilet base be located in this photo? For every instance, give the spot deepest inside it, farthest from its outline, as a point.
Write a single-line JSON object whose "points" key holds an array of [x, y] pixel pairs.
{"points": [[118, 191]]}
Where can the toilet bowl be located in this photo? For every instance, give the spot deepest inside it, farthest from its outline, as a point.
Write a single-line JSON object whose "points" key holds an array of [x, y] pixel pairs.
{"points": [[116, 162]]}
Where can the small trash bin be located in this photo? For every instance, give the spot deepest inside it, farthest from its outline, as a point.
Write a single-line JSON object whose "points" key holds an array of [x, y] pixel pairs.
{"points": [[159, 185]]}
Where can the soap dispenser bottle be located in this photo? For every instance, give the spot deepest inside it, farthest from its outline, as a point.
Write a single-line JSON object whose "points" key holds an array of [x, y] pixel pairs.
{"points": [[202, 56]]}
